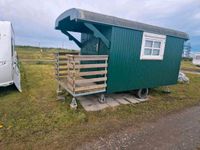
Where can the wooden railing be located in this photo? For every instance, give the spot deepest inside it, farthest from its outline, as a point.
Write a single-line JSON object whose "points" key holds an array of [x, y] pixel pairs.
{"points": [[83, 74], [61, 64]]}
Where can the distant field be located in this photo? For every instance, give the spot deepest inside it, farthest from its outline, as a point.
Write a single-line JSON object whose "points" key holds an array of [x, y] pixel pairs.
{"points": [[32, 53], [34, 119], [187, 65]]}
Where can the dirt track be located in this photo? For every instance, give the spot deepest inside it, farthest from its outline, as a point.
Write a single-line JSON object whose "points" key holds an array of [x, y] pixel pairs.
{"points": [[179, 131]]}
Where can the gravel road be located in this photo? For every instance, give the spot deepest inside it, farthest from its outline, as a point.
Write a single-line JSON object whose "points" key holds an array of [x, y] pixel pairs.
{"points": [[180, 131]]}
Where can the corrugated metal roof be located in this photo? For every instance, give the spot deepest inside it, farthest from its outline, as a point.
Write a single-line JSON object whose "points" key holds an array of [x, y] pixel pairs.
{"points": [[80, 15]]}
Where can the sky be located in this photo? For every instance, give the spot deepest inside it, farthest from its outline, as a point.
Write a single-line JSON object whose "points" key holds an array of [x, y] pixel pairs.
{"points": [[34, 20]]}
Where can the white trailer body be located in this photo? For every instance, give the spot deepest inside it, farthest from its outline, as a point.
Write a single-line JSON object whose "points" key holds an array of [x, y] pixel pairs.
{"points": [[9, 70], [196, 59]]}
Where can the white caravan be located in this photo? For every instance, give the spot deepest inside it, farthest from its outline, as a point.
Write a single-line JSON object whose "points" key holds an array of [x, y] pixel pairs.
{"points": [[196, 59], [9, 71]]}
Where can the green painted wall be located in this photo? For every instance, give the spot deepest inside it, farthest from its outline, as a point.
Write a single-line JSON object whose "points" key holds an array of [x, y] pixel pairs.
{"points": [[125, 69], [127, 72]]}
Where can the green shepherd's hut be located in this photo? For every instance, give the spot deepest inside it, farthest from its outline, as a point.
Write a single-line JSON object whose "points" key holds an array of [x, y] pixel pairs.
{"points": [[128, 55]]}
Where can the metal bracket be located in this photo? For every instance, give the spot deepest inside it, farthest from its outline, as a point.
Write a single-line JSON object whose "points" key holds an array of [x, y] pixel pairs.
{"points": [[71, 38], [98, 34], [73, 104]]}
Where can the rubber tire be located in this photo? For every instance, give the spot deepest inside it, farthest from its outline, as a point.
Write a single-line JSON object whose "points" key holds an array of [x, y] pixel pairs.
{"points": [[142, 93]]}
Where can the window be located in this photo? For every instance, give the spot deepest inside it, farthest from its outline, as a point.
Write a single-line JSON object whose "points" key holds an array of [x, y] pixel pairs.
{"points": [[153, 46], [198, 57]]}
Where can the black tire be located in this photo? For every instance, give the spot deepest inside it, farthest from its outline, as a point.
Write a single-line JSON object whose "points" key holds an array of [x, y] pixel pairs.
{"points": [[142, 93]]}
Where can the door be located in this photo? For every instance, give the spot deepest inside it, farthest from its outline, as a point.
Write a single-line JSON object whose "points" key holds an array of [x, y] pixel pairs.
{"points": [[16, 73], [6, 77]]}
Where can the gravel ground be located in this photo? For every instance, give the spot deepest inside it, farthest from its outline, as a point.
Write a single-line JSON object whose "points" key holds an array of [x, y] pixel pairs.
{"points": [[180, 131]]}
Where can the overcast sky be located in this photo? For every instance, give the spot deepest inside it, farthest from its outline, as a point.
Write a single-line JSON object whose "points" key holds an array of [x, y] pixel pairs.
{"points": [[34, 20]]}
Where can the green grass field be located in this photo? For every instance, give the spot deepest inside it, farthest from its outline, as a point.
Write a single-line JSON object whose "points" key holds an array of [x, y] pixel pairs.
{"points": [[35, 119], [187, 65]]}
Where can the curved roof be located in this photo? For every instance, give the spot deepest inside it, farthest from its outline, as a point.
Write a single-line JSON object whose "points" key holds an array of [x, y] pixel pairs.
{"points": [[74, 16]]}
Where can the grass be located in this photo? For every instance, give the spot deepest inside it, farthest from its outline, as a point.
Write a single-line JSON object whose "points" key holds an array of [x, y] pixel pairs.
{"points": [[35, 53], [187, 65], [35, 119]]}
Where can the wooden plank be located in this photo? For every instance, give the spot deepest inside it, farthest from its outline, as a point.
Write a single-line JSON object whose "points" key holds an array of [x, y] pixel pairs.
{"points": [[62, 59], [92, 87], [90, 103], [66, 86], [67, 53], [61, 77], [91, 66], [70, 80], [90, 59], [111, 102], [61, 69], [142, 100], [62, 74], [122, 101], [132, 100], [70, 66], [61, 64], [90, 56], [89, 73], [81, 81]]}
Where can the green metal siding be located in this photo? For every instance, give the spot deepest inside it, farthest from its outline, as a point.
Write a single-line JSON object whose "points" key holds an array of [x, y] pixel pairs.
{"points": [[127, 72]]}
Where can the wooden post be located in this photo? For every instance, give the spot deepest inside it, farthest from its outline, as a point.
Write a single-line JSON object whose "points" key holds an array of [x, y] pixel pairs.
{"points": [[74, 75]]}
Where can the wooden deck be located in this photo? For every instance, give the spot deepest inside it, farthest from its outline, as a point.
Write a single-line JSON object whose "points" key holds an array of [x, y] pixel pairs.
{"points": [[82, 74], [91, 103]]}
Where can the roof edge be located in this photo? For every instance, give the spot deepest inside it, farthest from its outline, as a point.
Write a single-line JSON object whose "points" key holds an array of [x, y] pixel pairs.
{"points": [[84, 15]]}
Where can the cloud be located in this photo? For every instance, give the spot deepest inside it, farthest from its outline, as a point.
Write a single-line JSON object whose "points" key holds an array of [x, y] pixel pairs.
{"points": [[34, 20]]}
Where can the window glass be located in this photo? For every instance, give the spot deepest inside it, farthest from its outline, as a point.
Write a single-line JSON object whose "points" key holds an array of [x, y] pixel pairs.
{"points": [[198, 57], [148, 43], [156, 52], [147, 51], [153, 46], [157, 44]]}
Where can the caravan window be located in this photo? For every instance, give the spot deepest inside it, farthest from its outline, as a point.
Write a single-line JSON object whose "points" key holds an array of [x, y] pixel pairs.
{"points": [[153, 46], [198, 57]]}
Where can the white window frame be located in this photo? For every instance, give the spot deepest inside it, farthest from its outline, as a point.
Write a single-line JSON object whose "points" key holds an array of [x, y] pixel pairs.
{"points": [[154, 38]]}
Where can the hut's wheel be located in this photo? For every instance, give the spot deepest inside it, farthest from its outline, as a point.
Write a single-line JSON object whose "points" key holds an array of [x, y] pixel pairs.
{"points": [[102, 98], [142, 93]]}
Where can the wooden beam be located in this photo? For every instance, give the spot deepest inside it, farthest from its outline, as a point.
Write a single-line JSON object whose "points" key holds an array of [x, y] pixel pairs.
{"points": [[98, 34], [72, 38], [91, 66], [90, 73], [92, 80], [92, 87]]}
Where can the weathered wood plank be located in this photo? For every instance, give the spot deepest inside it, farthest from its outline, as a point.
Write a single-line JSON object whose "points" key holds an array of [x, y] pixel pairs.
{"points": [[91, 66], [66, 53], [80, 81], [90, 103], [111, 102], [90, 59], [92, 87], [89, 56], [89, 73], [62, 74], [132, 100], [61, 69], [65, 85], [122, 101], [62, 59]]}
